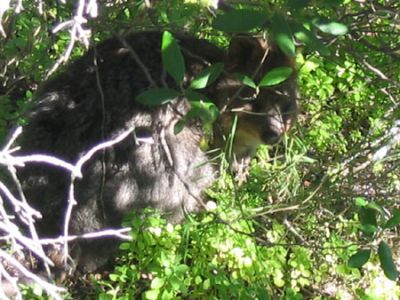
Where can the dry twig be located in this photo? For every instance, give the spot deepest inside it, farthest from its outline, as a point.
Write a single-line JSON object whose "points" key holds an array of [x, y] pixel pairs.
{"points": [[20, 209]]}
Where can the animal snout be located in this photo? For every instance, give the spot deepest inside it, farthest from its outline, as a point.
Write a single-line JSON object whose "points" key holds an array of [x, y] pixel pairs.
{"points": [[271, 136], [275, 127]]}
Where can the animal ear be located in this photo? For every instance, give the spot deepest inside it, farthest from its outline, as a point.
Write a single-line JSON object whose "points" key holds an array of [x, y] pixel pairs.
{"points": [[245, 53]]}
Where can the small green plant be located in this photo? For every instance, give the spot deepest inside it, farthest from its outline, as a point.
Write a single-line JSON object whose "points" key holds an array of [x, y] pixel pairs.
{"points": [[201, 107], [200, 260], [374, 223], [292, 230]]}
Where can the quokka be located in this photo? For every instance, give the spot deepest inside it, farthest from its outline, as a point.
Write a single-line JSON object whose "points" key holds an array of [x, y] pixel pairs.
{"points": [[93, 100]]}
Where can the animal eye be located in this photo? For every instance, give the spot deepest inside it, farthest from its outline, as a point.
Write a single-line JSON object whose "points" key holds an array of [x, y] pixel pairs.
{"points": [[259, 105], [288, 108]]}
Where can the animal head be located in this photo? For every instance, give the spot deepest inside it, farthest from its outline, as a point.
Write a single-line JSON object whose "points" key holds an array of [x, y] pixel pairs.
{"points": [[263, 114]]}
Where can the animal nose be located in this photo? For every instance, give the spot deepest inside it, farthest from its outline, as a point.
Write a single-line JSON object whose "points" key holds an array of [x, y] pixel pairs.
{"points": [[271, 136], [275, 127]]}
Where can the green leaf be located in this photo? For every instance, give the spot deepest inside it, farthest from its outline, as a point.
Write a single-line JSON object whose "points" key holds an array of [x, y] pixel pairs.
{"points": [[361, 202], [196, 96], [172, 57], [105, 297], [375, 206], [368, 228], [28, 94], [206, 284], [241, 20], [394, 220], [368, 220], [157, 283], [387, 263], [198, 280], [262, 294], [309, 39], [283, 35], [179, 126], [181, 269], [367, 216], [207, 76], [246, 80], [157, 96], [207, 112], [175, 283], [360, 258], [167, 295], [125, 246], [330, 27], [152, 294], [275, 76], [201, 108], [114, 277]]}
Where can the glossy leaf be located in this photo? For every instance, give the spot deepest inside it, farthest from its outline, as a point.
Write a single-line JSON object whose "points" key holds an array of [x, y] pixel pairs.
{"points": [[358, 259], [367, 216], [157, 283], [361, 202], [275, 76], [394, 220], [375, 206], [207, 76], [368, 219], [241, 20], [387, 263], [368, 228], [172, 57], [201, 108], [330, 27], [151, 294], [207, 112], [310, 40], [246, 80], [196, 96], [283, 35], [157, 96], [179, 126]]}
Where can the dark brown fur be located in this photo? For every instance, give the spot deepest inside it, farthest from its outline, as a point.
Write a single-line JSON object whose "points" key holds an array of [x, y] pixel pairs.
{"points": [[86, 104]]}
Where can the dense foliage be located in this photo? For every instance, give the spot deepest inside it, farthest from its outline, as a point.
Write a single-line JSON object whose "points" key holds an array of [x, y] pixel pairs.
{"points": [[319, 214]]}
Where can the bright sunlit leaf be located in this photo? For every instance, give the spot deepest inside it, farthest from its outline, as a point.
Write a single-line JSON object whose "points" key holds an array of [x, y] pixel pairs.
{"points": [[172, 57]]}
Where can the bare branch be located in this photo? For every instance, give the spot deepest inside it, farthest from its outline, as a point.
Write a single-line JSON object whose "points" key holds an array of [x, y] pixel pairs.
{"points": [[51, 289], [380, 74], [119, 233], [23, 211], [78, 33], [4, 6], [78, 173]]}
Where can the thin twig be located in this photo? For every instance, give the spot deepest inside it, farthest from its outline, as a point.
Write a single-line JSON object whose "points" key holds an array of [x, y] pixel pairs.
{"points": [[139, 62], [119, 233], [77, 30], [51, 289], [25, 212], [78, 170]]}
